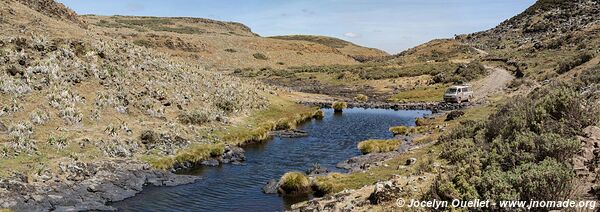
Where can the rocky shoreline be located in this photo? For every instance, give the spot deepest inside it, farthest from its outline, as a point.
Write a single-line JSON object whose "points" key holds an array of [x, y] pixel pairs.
{"points": [[435, 107], [91, 186], [88, 186]]}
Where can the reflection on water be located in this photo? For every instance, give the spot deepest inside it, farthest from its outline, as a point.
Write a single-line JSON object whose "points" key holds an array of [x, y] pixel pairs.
{"points": [[238, 187]]}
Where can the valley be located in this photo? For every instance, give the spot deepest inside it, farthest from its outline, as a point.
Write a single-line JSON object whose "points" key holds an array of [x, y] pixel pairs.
{"points": [[130, 112]]}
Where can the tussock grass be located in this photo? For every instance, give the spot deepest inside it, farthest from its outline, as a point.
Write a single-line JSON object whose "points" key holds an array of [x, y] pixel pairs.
{"points": [[339, 106], [377, 146], [361, 98], [295, 183]]}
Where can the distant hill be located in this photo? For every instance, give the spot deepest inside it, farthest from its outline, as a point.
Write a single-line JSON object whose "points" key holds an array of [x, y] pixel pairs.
{"points": [[227, 45]]}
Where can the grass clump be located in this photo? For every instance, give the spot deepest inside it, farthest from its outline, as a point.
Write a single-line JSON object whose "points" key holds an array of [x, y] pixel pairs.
{"points": [[399, 130], [361, 98], [378, 146], [260, 56], [294, 183], [195, 118], [339, 106]]}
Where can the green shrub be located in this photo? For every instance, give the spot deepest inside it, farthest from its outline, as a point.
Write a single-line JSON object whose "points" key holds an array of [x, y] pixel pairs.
{"points": [[522, 152], [339, 106], [260, 56], [294, 183], [565, 66], [378, 146]]}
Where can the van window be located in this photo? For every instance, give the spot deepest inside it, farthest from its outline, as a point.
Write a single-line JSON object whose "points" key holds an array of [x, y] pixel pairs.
{"points": [[451, 91], [466, 89]]}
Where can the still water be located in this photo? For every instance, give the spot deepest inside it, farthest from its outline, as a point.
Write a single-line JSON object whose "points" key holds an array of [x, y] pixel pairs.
{"points": [[238, 187]]}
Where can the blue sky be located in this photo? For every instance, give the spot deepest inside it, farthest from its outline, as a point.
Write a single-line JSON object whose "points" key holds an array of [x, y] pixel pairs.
{"points": [[390, 25]]}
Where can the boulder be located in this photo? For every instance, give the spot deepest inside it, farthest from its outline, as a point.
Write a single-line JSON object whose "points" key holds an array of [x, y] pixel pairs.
{"points": [[454, 115], [316, 169], [384, 192], [271, 187]]}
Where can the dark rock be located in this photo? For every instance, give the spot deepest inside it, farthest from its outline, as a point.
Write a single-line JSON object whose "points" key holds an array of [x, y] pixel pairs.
{"points": [[148, 137], [271, 187], [316, 169], [293, 133], [411, 161], [233, 154], [14, 71], [210, 162], [454, 115]]}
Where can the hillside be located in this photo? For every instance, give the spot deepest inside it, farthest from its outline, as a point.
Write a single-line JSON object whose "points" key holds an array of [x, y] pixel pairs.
{"points": [[79, 109], [547, 40], [224, 45]]}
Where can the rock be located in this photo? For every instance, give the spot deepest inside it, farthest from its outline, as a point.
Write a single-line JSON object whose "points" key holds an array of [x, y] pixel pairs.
{"points": [[384, 192], [210, 162], [316, 169], [233, 154], [411, 161], [271, 187], [293, 133], [454, 115]]}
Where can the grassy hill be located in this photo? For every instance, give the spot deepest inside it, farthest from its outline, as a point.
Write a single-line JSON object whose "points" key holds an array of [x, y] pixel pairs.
{"points": [[71, 94], [225, 45]]}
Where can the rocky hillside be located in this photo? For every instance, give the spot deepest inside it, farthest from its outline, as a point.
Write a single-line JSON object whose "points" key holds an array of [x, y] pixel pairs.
{"points": [[225, 45], [71, 99], [547, 40]]}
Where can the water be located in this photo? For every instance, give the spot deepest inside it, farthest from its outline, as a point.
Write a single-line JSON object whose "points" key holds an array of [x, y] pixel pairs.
{"points": [[238, 187]]}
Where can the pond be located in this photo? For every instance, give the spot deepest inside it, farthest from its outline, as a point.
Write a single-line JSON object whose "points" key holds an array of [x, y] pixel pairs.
{"points": [[238, 187]]}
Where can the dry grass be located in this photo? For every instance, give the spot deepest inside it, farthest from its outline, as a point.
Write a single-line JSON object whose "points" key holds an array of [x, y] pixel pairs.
{"points": [[295, 183], [378, 146]]}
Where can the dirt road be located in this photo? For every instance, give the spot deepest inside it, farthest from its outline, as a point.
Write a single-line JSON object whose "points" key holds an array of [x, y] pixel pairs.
{"points": [[492, 84]]}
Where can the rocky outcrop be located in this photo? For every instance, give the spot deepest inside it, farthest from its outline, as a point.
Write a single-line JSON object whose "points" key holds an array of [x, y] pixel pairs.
{"points": [[587, 165], [55, 10], [291, 133], [231, 154], [385, 192], [88, 186]]}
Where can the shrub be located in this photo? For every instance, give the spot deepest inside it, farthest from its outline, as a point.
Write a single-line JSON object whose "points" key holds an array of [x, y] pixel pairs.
{"points": [[38, 117], [361, 98], [378, 146], [195, 118], [339, 106], [60, 142], [420, 122], [522, 152], [231, 50], [454, 115], [260, 56], [294, 183], [71, 115], [565, 66]]}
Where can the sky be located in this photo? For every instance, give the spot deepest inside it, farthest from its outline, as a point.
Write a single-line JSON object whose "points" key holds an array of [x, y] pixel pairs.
{"points": [[390, 25]]}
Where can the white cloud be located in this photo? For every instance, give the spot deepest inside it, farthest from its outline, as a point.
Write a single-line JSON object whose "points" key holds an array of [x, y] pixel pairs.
{"points": [[351, 35]]}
